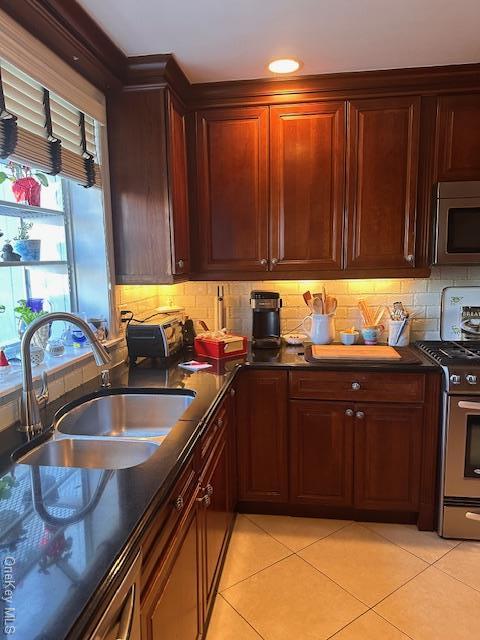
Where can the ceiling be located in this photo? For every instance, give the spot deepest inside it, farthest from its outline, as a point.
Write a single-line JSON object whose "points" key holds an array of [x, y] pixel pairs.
{"points": [[217, 40]]}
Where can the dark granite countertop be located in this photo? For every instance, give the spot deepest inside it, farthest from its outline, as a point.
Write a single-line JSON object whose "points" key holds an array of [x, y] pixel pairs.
{"points": [[65, 532]]}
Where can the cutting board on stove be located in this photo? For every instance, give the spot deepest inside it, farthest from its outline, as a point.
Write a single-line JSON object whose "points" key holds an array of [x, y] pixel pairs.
{"points": [[354, 352]]}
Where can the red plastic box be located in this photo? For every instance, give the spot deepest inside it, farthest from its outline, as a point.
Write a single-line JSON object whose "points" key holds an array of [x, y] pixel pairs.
{"points": [[227, 347]]}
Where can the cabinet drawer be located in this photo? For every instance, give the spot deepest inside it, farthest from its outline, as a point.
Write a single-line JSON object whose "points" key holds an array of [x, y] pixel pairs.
{"points": [[161, 530], [355, 386]]}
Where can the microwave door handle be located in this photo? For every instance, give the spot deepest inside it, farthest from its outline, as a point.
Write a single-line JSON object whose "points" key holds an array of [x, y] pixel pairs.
{"points": [[471, 515], [126, 619], [473, 406]]}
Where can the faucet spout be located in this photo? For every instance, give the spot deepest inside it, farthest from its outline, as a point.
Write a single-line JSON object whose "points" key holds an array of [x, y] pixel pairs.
{"points": [[31, 422]]}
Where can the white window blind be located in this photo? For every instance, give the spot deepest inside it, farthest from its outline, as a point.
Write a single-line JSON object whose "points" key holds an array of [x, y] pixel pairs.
{"points": [[27, 100]]}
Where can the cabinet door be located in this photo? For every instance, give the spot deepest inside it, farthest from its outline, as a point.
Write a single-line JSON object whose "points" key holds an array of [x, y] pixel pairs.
{"points": [[321, 453], [383, 146], [232, 189], [178, 182], [388, 443], [458, 138], [262, 436], [307, 185], [171, 609], [218, 513]]}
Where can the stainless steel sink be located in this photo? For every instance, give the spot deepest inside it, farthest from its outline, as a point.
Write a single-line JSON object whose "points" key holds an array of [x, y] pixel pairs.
{"points": [[129, 415], [89, 453]]}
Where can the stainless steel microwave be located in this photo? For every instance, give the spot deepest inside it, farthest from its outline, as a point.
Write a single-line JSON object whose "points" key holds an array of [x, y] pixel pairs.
{"points": [[457, 223]]}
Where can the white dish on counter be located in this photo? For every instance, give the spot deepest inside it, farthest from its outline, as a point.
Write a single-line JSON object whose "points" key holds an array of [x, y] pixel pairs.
{"points": [[294, 338]]}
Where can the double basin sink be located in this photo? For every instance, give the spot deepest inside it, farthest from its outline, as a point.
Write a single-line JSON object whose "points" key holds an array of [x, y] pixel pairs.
{"points": [[113, 431]]}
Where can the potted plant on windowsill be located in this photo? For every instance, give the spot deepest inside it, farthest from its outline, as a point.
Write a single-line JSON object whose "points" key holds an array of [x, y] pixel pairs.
{"points": [[27, 315], [28, 249], [26, 184]]}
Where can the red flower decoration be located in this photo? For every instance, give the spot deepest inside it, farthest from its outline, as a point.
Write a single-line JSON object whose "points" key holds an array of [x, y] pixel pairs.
{"points": [[27, 190]]}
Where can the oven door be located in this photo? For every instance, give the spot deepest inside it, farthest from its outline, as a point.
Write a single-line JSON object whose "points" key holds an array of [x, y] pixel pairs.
{"points": [[457, 233], [462, 454]]}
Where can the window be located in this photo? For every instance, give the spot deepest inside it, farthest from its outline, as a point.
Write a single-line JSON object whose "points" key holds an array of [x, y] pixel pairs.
{"points": [[53, 236], [66, 249]]}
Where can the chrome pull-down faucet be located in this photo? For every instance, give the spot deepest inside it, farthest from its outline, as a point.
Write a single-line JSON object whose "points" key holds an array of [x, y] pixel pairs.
{"points": [[31, 423]]}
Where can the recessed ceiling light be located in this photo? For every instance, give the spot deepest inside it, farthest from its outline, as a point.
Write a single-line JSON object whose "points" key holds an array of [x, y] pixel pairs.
{"points": [[284, 65]]}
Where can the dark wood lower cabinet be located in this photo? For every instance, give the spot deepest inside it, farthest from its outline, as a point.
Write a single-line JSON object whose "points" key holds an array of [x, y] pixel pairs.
{"points": [[321, 453], [182, 564], [388, 456], [171, 609], [352, 447], [217, 515], [262, 436]]}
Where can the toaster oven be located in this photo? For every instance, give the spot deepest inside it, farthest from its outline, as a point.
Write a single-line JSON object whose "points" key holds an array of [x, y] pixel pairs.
{"points": [[162, 339]]}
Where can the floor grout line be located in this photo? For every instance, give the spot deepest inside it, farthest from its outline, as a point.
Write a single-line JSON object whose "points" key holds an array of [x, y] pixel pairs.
{"points": [[241, 616], [457, 579], [257, 572], [401, 586], [373, 530], [348, 523]]}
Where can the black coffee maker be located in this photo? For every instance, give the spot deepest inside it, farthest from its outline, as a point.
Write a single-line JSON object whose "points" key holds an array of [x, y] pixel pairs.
{"points": [[266, 319]]}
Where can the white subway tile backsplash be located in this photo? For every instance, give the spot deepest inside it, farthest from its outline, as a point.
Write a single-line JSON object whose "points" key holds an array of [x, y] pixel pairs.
{"points": [[9, 413], [421, 296]]}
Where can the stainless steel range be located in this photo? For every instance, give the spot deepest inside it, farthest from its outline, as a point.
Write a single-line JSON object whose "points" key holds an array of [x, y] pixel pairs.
{"points": [[460, 465]]}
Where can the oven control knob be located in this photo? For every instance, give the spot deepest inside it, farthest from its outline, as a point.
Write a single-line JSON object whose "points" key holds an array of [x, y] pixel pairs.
{"points": [[471, 379], [455, 378]]}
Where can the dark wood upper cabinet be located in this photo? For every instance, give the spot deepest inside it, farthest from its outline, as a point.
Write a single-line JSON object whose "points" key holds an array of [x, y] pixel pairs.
{"points": [[149, 187], [178, 183], [307, 155], [382, 165], [262, 436], [232, 189], [321, 453], [388, 456], [458, 137]]}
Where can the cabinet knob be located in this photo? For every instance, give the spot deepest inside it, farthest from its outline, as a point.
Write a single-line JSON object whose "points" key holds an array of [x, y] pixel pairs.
{"points": [[349, 413], [179, 503], [220, 422], [232, 392], [264, 262], [180, 264], [356, 386], [410, 258], [209, 489], [274, 261], [360, 415]]}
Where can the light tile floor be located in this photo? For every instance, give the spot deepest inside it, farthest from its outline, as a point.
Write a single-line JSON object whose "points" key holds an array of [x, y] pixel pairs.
{"points": [[312, 579]]}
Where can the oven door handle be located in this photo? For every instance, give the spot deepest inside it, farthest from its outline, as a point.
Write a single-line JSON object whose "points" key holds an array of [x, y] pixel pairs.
{"points": [[471, 515], [474, 406]]}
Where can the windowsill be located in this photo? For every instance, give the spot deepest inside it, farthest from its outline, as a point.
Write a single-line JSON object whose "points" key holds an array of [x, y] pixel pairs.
{"points": [[12, 384]]}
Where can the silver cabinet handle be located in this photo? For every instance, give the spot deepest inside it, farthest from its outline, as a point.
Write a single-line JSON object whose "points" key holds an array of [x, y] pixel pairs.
{"points": [[232, 392], [356, 386], [349, 412], [206, 500], [126, 619], [360, 415], [220, 422], [410, 258], [179, 503], [471, 515], [180, 263], [274, 261], [209, 489], [264, 262]]}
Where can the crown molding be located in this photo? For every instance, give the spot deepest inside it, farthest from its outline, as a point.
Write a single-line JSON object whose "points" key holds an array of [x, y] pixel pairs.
{"points": [[427, 80], [153, 71], [66, 29]]}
